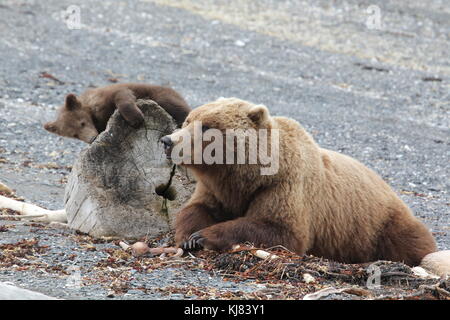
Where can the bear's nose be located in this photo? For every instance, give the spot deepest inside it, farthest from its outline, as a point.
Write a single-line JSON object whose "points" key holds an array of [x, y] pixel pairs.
{"points": [[166, 141]]}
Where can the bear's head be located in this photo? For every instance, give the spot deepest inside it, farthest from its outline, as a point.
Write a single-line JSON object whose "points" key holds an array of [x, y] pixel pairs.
{"points": [[227, 131], [73, 121]]}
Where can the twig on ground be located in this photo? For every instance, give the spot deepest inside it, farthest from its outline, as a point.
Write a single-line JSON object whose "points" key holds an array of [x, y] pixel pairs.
{"points": [[140, 248]]}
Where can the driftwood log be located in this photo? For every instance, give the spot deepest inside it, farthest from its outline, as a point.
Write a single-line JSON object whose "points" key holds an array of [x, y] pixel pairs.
{"points": [[122, 185], [10, 292]]}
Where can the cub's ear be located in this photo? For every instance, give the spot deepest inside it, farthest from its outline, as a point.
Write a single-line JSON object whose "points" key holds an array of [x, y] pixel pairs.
{"points": [[72, 102], [258, 114], [51, 127]]}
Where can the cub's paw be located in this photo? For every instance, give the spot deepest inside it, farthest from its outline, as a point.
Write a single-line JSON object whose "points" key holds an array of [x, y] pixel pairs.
{"points": [[136, 122], [195, 241]]}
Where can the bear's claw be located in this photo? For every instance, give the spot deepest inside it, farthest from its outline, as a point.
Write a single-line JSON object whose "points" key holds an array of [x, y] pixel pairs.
{"points": [[195, 241]]}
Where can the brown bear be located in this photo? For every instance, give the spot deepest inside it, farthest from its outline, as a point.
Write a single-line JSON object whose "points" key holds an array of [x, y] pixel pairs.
{"points": [[84, 117], [318, 202]]}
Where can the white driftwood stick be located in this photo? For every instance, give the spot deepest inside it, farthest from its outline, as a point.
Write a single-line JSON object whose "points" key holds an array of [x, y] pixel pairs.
{"points": [[4, 188], [31, 211], [125, 246], [34, 216]]}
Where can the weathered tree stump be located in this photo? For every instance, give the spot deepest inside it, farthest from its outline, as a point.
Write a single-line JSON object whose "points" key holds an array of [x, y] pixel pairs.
{"points": [[122, 185]]}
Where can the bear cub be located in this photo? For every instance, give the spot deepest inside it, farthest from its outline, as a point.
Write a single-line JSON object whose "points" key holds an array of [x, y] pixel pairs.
{"points": [[85, 116]]}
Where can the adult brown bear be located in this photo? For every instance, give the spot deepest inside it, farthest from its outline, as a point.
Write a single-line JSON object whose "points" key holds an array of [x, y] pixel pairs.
{"points": [[318, 201]]}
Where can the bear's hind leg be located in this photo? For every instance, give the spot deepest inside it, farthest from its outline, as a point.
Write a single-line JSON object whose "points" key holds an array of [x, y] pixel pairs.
{"points": [[405, 239]]}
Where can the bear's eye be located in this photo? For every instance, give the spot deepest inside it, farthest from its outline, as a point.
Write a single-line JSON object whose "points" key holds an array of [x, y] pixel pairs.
{"points": [[75, 136], [204, 128], [82, 124]]}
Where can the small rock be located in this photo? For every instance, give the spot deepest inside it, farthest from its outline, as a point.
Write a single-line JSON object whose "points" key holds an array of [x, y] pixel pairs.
{"points": [[308, 278], [54, 154], [239, 43]]}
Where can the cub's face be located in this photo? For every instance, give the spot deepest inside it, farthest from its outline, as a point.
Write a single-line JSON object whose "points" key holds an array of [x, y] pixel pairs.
{"points": [[209, 125], [73, 121]]}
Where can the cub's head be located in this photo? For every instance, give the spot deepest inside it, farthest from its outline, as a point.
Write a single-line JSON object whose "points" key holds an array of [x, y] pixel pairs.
{"points": [[73, 121], [213, 133]]}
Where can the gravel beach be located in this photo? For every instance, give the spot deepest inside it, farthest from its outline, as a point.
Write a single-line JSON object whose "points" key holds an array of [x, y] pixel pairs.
{"points": [[377, 92]]}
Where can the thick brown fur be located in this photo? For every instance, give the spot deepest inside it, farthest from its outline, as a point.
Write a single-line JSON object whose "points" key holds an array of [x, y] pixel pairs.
{"points": [[320, 202], [84, 117]]}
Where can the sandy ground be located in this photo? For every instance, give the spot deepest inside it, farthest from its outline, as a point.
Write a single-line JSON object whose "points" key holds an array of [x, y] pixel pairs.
{"points": [[377, 92]]}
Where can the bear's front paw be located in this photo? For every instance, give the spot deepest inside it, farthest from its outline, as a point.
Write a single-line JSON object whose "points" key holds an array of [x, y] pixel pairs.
{"points": [[195, 241], [207, 239]]}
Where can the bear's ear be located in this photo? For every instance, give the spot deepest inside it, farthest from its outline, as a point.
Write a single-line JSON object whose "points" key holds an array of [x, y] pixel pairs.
{"points": [[72, 102], [51, 127], [258, 114]]}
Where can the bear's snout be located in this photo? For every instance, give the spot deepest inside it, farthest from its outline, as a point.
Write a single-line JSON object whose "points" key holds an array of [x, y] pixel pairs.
{"points": [[166, 141], [168, 144]]}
